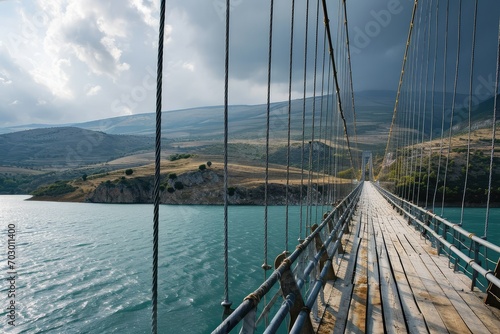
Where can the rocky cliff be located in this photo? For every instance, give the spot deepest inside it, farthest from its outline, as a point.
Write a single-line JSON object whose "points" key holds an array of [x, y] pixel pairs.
{"points": [[196, 187]]}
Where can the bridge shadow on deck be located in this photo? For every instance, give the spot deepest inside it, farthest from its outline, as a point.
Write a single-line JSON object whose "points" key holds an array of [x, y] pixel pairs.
{"points": [[391, 280]]}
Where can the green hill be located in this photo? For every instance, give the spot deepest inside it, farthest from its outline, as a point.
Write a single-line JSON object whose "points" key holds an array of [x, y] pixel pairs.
{"points": [[66, 147]]}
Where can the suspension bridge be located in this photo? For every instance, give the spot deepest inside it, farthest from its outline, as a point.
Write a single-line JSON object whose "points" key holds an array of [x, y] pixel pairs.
{"points": [[378, 259]]}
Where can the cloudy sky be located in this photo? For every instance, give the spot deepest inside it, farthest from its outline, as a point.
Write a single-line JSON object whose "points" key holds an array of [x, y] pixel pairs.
{"points": [[65, 61]]}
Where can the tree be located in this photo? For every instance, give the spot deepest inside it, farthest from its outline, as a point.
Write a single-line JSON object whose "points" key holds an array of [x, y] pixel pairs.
{"points": [[202, 167], [231, 191], [129, 171], [172, 176], [209, 164], [178, 185], [84, 177]]}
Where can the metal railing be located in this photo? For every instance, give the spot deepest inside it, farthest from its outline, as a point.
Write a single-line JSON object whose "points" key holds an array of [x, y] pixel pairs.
{"points": [[295, 304], [450, 239]]}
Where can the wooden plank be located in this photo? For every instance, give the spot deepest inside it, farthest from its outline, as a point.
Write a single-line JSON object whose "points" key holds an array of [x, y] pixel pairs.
{"points": [[414, 318], [391, 307], [356, 322], [345, 300], [475, 299], [465, 312], [375, 321], [423, 298], [434, 299], [445, 306], [334, 290]]}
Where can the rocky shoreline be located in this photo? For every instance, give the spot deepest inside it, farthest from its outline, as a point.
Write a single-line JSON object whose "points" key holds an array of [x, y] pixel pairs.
{"points": [[201, 188]]}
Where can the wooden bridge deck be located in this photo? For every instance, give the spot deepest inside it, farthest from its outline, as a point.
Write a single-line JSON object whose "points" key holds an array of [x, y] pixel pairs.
{"points": [[397, 283]]}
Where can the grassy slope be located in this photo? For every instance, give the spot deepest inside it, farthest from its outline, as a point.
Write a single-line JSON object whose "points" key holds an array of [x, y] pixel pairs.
{"points": [[247, 174]]}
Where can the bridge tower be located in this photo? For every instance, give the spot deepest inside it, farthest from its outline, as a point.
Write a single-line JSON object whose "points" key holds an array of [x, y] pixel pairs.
{"points": [[367, 166]]}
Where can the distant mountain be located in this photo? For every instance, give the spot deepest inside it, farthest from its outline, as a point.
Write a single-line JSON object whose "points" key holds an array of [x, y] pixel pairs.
{"points": [[66, 147], [374, 111], [246, 121]]}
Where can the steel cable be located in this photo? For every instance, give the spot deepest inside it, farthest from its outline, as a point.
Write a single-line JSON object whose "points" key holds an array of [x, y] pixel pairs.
{"points": [[156, 187], [453, 103], [226, 303], [493, 135], [471, 81]]}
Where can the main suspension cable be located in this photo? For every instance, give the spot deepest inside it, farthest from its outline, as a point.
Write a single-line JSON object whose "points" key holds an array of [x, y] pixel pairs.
{"points": [[337, 86], [395, 112]]}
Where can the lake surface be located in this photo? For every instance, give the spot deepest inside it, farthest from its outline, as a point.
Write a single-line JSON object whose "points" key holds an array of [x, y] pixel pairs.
{"points": [[86, 268]]}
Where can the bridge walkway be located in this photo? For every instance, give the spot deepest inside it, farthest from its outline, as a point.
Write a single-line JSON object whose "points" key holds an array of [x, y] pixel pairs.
{"points": [[391, 280]]}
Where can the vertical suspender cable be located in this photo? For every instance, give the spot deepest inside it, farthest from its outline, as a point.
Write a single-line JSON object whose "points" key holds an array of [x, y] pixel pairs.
{"points": [[455, 84], [421, 110], [156, 187], [471, 81], [335, 76], [428, 36], [321, 108], [301, 218], [432, 103], [493, 135], [350, 73], [445, 58], [292, 24], [265, 265], [226, 303], [313, 126], [415, 5]]}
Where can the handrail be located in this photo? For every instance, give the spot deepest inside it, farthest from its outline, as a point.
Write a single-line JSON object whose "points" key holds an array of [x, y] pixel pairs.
{"points": [[252, 300], [455, 227], [488, 274]]}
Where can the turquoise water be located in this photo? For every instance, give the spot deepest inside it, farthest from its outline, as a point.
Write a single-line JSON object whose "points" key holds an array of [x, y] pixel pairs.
{"points": [[86, 268]]}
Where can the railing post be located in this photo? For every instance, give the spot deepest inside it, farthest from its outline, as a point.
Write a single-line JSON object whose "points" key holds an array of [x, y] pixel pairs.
{"points": [[445, 233], [493, 291], [475, 246], [436, 241], [324, 257], [458, 244], [289, 286]]}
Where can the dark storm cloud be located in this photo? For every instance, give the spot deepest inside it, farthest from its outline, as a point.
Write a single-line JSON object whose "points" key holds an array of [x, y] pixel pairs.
{"points": [[94, 60]]}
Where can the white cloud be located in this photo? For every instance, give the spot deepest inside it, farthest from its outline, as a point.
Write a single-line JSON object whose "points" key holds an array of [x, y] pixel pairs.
{"points": [[56, 53], [188, 66], [93, 90], [147, 12], [4, 79]]}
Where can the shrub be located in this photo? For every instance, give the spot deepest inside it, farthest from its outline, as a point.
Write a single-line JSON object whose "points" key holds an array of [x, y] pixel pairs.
{"points": [[178, 156], [58, 188], [172, 176], [129, 171], [84, 177], [231, 191], [162, 188], [202, 167], [170, 189], [209, 164], [178, 185]]}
